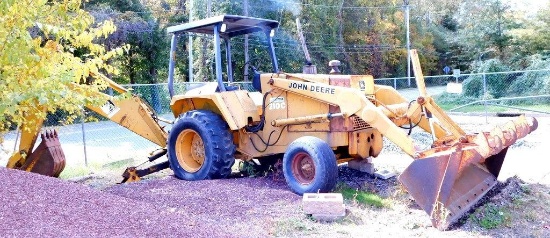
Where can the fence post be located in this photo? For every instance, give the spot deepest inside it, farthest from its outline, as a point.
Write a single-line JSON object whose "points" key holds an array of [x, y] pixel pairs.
{"points": [[485, 97], [83, 118], [16, 139], [395, 83]]}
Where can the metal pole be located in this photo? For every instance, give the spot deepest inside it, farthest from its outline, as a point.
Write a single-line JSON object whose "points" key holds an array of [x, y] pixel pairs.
{"points": [[246, 59], [218, 57], [172, 64], [228, 59], [484, 97], [16, 139], [208, 8], [407, 10], [272, 52], [191, 79], [84, 137]]}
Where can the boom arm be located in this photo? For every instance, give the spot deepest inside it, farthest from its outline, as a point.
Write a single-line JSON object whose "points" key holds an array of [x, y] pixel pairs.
{"points": [[131, 112]]}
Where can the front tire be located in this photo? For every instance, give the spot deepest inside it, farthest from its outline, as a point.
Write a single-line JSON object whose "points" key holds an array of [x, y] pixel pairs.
{"points": [[200, 146], [309, 166]]}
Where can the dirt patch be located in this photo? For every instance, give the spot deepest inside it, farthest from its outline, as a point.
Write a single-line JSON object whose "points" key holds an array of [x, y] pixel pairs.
{"points": [[513, 209]]}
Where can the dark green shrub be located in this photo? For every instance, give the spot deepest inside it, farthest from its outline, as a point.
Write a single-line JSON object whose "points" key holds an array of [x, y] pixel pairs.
{"points": [[473, 86], [453, 99], [497, 84], [533, 82]]}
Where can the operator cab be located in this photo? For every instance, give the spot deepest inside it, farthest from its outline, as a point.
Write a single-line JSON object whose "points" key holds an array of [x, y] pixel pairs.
{"points": [[224, 27]]}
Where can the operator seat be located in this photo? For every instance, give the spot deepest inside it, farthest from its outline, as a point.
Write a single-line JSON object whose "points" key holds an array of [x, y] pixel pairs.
{"points": [[256, 83]]}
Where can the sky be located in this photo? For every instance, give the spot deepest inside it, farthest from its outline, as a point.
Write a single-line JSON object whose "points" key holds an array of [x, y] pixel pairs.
{"points": [[530, 6]]}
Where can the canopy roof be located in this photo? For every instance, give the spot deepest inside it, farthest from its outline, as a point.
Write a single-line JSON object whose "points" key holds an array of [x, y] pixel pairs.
{"points": [[234, 25]]}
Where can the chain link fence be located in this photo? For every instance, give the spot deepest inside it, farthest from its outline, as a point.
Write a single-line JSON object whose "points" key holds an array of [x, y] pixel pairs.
{"points": [[92, 140], [526, 91]]}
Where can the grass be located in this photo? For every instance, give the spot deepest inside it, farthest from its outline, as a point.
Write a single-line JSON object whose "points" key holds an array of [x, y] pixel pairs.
{"points": [[531, 206], [491, 216], [288, 227], [361, 197], [78, 170], [492, 108]]}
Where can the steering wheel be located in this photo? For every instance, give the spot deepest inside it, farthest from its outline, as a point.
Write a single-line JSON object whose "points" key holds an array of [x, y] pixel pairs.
{"points": [[254, 64]]}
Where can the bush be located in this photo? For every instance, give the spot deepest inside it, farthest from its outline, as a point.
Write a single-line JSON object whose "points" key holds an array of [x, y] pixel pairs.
{"points": [[497, 84], [473, 86], [453, 99], [533, 83]]}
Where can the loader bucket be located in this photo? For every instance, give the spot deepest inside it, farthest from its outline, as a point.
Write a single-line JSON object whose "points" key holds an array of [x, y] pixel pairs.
{"points": [[449, 180], [48, 157]]}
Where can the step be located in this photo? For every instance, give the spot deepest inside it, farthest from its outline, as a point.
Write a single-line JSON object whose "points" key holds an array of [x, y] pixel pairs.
{"points": [[324, 206]]}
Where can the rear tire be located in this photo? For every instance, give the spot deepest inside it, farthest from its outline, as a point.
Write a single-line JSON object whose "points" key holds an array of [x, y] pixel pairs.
{"points": [[200, 146], [309, 166]]}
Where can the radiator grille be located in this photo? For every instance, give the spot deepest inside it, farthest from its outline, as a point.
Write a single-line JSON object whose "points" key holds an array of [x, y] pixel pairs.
{"points": [[359, 124]]}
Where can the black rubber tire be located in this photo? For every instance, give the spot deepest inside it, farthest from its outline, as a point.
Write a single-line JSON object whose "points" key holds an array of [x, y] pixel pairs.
{"points": [[324, 160], [219, 149]]}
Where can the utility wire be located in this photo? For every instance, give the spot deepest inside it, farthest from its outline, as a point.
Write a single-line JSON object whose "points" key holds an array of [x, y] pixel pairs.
{"points": [[263, 7], [291, 44], [333, 6]]}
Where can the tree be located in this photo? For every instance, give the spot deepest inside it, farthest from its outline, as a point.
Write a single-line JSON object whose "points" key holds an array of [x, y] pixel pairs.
{"points": [[485, 25], [136, 27], [39, 72], [533, 38]]}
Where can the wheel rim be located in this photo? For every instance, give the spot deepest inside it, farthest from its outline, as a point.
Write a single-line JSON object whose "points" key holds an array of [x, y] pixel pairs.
{"points": [[303, 168], [190, 150]]}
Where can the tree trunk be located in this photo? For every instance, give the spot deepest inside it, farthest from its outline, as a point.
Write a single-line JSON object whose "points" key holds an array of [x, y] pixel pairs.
{"points": [[131, 71], [245, 73], [206, 69], [341, 37]]}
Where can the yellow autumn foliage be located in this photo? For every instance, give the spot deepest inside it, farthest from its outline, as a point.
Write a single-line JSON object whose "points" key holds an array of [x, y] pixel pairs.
{"points": [[38, 39]]}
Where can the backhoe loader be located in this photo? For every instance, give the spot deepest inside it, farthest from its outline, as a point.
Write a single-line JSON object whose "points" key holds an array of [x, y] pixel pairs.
{"points": [[312, 121]]}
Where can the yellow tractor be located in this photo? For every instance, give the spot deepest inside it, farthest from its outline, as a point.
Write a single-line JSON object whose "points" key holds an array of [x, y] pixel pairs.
{"points": [[313, 121]]}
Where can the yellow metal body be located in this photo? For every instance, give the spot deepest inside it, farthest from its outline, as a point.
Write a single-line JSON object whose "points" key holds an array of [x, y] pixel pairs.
{"points": [[235, 106], [333, 113], [347, 111]]}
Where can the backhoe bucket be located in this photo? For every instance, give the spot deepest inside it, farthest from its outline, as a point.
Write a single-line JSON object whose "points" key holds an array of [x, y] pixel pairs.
{"points": [[48, 158], [447, 181]]}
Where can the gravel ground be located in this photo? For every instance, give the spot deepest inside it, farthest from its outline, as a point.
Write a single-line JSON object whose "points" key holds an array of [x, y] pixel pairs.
{"points": [[35, 205], [49, 207]]}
